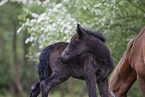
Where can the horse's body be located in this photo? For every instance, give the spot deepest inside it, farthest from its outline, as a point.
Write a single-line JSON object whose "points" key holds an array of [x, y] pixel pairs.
{"points": [[89, 41], [130, 68]]}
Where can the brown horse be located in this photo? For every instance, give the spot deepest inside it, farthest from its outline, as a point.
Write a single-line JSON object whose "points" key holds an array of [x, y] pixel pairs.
{"points": [[130, 68], [89, 41]]}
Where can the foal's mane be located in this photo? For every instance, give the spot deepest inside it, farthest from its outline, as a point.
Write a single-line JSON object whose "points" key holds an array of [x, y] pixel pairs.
{"points": [[96, 34], [115, 76]]}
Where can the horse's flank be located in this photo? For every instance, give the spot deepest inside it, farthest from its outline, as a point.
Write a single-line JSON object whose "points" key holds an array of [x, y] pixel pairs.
{"points": [[143, 31], [137, 57], [115, 76], [142, 34]]}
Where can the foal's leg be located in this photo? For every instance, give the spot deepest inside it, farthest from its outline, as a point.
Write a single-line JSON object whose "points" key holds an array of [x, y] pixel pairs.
{"points": [[91, 84], [50, 82], [103, 87], [35, 90], [141, 83]]}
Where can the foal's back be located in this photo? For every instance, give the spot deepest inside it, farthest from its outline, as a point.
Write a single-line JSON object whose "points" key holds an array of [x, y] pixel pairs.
{"points": [[48, 59]]}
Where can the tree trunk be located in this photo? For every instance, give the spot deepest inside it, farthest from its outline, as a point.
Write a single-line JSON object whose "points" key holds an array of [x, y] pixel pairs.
{"points": [[24, 63], [31, 78], [12, 86], [8, 66], [18, 78], [32, 67]]}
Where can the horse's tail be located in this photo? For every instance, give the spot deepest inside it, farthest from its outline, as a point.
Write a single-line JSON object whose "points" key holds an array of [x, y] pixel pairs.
{"points": [[43, 65], [115, 76]]}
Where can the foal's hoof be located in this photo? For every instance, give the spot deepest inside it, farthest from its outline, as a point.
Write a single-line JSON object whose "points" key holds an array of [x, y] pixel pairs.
{"points": [[33, 87]]}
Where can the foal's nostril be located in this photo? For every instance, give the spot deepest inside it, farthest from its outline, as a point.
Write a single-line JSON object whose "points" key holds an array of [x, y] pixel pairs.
{"points": [[63, 59]]}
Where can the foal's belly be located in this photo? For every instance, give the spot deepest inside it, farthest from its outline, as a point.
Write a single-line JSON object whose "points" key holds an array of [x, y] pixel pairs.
{"points": [[78, 77], [77, 74]]}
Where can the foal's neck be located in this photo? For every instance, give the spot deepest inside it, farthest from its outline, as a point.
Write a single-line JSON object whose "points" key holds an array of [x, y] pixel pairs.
{"points": [[97, 48]]}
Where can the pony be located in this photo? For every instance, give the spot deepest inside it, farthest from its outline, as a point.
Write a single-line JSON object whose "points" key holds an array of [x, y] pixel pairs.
{"points": [[85, 41], [53, 70], [130, 68]]}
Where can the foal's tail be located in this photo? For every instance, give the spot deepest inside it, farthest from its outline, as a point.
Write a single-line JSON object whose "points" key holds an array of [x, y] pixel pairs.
{"points": [[43, 65]]}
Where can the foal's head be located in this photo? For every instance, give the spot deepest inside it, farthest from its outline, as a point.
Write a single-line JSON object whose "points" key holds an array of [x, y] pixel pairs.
{"points": [[80, 43]]}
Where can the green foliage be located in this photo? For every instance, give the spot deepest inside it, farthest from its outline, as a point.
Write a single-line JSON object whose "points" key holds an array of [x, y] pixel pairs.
{"points": [[58, 21]]}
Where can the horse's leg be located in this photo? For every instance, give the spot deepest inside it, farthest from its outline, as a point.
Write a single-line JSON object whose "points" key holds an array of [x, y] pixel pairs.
{"points": [[141, 83], [35, 89], [103, 87], [91, 84], [50, 82]]}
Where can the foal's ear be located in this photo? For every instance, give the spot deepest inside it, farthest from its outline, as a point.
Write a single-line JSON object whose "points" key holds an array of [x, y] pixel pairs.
{"points": [[79, 31]]}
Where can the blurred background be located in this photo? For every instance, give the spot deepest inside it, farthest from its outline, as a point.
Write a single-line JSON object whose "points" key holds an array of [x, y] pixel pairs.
{"points": [[27, 26]]}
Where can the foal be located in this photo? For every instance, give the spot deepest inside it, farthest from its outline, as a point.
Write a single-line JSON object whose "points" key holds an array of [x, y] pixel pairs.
{"points": [[54, 69], [92, 42]]}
